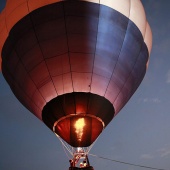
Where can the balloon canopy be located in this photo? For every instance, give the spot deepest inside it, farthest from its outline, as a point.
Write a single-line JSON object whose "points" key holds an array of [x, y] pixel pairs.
{"points": [[74, 64]]}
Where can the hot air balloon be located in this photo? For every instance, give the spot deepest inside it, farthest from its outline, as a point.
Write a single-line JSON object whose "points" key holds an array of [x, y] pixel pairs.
{"points": [[74, 63]]}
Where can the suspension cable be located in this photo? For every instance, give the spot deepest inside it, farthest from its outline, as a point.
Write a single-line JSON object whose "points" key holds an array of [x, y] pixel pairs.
{"points": [[64, 145], [122, 162], [66, 152], [90, 147]]}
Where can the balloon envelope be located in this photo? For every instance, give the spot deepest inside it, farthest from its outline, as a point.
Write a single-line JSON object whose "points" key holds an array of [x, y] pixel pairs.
{"points": [[74, 64]]}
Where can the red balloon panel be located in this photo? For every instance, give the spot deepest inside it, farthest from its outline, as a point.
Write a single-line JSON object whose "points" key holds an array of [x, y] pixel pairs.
{"points": [[81, 62], [58, 65], [63, 83]]}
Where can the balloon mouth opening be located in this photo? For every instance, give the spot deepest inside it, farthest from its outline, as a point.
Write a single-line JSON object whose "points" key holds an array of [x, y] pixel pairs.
{"points": [[78, 118], [79, 130]]}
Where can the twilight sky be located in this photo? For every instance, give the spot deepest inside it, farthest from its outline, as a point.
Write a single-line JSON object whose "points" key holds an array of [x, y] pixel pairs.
{"points": [[139, 134]]}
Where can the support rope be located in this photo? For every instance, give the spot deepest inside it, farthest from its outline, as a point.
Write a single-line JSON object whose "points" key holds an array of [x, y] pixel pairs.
{"points": [[122, 162]]}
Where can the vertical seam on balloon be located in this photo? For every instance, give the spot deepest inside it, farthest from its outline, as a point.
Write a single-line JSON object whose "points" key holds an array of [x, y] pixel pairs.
{"points": [[17, 7], [63, 104], [41, 51], [36, 65], [42, 55], [130, 73], [119, 51], [63, 73], [21, 88], [139, 80], [30, 97], [14, 10], [87, 112], [69, 53], [30, 78], [47, 59], [88, 102], [6, 21], [95, 47], [68, 44], [93, 60]]}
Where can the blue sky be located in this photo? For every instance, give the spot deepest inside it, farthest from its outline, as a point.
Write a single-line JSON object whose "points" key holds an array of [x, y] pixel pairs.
{"points": [[139, 134]]}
